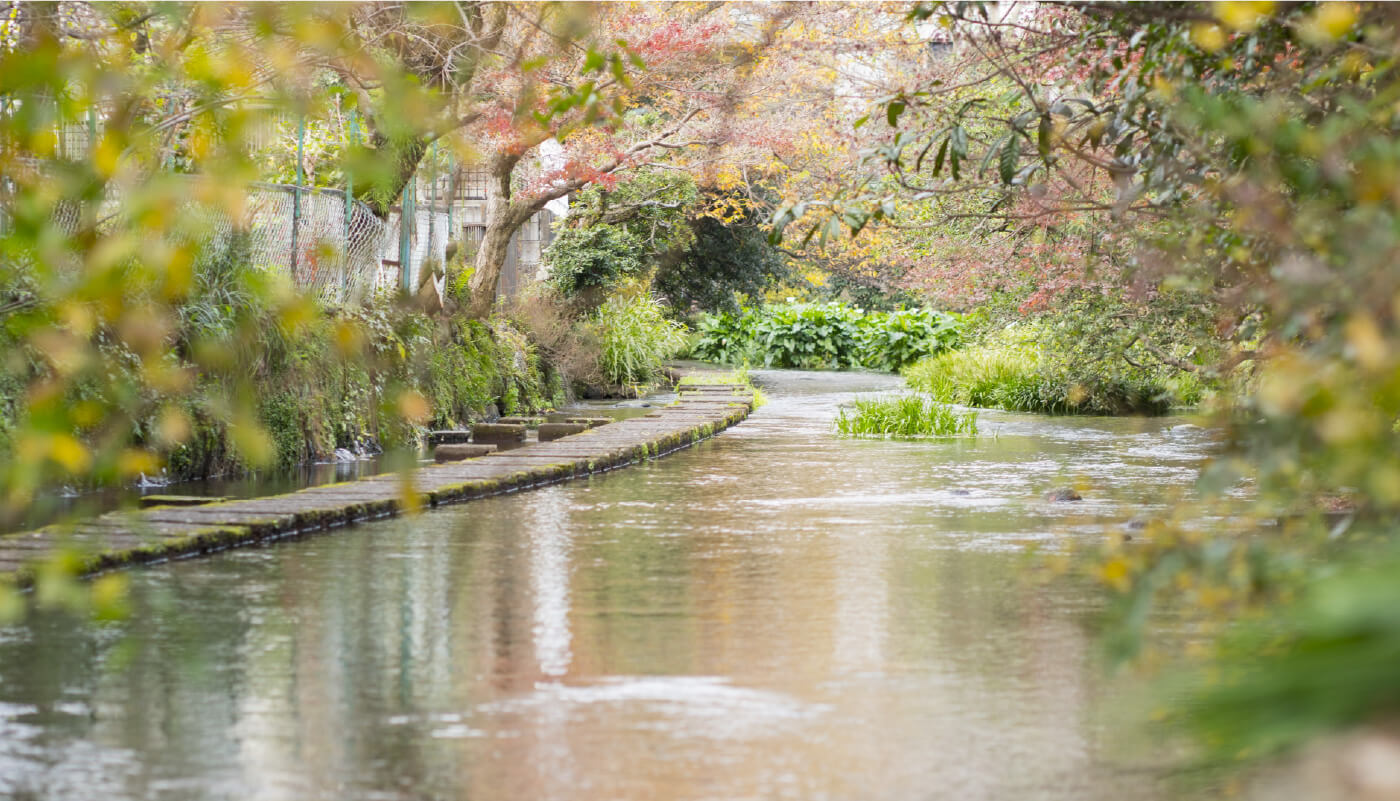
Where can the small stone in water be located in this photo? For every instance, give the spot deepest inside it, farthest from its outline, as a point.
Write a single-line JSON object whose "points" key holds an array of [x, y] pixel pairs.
{"points": [[1063, 494]]}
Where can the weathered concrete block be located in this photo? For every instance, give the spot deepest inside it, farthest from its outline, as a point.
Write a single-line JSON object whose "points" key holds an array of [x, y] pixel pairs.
{"points": [[553, 431], [591, 422], [148, 501], [456, 436], [528, 422], [498, 433], [456, 452]]}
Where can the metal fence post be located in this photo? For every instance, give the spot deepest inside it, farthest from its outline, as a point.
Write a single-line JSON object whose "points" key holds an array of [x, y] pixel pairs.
{"points": [[296, 193], [432, 206], [406, 218], [354, 139], [451, 192]]}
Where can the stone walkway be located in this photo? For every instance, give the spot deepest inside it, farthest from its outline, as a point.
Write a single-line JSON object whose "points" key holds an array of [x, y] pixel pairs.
{"points": [[120, 539]]}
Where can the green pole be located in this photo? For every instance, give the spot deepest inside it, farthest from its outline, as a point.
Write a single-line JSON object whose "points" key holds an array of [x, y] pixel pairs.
{"points": [[406, 215], [432, 204], [451, 191], [92, 130], [354, 139], [350, 180], [296, 193]]}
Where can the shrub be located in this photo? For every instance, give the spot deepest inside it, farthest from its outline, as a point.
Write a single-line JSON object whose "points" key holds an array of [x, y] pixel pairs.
{"points": [[635, 336], [824, 335], [725, 338], [891, 340], [596, 256], [724, 257], [809, 335], [904, 416]]}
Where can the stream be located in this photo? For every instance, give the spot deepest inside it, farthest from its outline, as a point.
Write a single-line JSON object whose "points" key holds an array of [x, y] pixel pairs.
{"points": [[776, 613]]}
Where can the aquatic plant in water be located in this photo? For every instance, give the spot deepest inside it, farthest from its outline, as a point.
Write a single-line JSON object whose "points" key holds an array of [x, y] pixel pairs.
{"points": [[904, 416]]}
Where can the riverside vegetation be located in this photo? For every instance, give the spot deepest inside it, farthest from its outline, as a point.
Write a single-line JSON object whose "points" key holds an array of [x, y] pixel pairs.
{"points": [[824, 335], [1041, 365]]}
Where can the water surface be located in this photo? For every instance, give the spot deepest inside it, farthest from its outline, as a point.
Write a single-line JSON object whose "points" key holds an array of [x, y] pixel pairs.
{"points": [[777, 613]]}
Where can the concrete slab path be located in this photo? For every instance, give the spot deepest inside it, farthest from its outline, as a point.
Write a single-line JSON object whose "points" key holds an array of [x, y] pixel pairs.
{"points": [[121, 539]]}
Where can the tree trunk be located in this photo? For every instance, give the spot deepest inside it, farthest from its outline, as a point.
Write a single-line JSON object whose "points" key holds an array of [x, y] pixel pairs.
{"points": [[503, 219], [490, 259]]}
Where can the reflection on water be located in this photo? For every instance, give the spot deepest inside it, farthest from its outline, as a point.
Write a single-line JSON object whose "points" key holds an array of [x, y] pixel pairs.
{"points": [[773, 614]]}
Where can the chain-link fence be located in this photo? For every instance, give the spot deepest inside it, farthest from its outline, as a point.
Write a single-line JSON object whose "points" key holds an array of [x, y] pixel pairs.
{"points": [[340, 250], [330, 247]]}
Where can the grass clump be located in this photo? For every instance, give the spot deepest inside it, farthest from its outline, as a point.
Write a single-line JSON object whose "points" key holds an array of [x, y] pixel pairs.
{"points": [[635, 337], [904, 416]]}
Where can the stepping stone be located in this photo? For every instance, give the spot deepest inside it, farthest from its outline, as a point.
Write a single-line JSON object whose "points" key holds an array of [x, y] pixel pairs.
{"points": [[457, 452], [148, 501], [498, 433], [528, 422], [591, 422], [452, 436], [553, 431]]}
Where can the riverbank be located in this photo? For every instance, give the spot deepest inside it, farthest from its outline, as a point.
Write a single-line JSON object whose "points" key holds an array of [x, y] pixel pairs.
{"points": [[121, 539]]}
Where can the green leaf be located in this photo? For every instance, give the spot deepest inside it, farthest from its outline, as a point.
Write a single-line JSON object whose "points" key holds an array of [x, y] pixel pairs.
{"points": [[1010, 157], [942, 154], [958, 137], [892, 112], [594, 61]]}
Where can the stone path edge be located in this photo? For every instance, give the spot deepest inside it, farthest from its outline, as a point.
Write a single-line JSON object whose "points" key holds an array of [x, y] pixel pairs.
{"points": [[125, 539]]}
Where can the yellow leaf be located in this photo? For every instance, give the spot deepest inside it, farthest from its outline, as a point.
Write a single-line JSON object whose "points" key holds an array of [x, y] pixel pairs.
{"points": [[1329, 22], [1368, 346], [253, 443], [414, 408], [1243, 16], [348, 339], [1208, 36], [173, 427], [1115, 574], [134, 462], [71, 454], [109, 595], [106, 156], [86, 413]]}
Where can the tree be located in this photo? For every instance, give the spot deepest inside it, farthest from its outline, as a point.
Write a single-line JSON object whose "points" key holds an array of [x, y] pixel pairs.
{"points": [[1241, 152], [686, 77]]}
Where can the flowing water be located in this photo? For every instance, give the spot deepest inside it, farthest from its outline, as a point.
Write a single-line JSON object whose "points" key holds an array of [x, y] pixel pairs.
{"points": [[776, 613]]}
